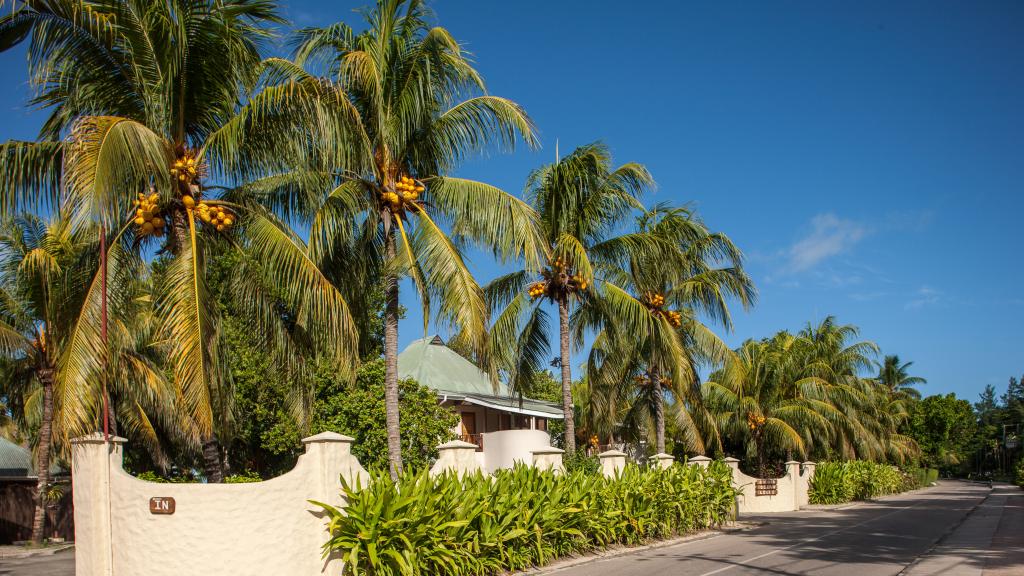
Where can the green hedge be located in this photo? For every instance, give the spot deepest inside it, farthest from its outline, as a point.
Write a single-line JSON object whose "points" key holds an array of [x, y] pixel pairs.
{"points": [[838, 482], [519, 518]]}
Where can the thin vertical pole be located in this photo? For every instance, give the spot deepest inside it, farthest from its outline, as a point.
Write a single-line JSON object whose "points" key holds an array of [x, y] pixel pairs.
{"points": [[103, 331]]}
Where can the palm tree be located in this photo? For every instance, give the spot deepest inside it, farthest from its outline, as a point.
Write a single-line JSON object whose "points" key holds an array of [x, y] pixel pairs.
{"points": [[44, 274], [897, 379], [706, 272], [150, 124], [581, 200], [402, 86], [38, 266], [802, 394], [758, 410]]}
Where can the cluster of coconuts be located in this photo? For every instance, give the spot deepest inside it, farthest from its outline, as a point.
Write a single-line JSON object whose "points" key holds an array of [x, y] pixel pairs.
{"points": [[186, 168], [674, 318], [537, 289], [578, 281], [146, 218], [656, 300], [406, 190], [216, 216], [755, 422]]}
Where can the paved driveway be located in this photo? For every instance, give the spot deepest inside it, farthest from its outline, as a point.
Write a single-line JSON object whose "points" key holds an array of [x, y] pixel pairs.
{"points": [[955, 529]]}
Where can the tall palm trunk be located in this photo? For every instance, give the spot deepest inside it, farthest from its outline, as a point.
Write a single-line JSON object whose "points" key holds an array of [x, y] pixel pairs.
{"points": [[213, 464], [659, 414], [391, 357], [45, 375], [567, 411]]}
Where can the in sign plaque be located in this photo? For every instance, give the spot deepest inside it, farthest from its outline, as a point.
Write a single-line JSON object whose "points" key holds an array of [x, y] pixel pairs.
{"points": [[161, 505]]}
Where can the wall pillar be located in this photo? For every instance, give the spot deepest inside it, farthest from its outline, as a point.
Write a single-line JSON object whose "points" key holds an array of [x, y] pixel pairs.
{"points": [[612, 462], [793, 472], [702, 461], [331, 452], [662, 460], [549, 459], [91, 460], [456, 456], [803, 494]]}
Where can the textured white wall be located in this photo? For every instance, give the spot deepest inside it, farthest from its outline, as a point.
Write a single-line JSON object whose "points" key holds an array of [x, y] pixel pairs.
{"points": [[264, 528], [503, 449], [791, 494]]}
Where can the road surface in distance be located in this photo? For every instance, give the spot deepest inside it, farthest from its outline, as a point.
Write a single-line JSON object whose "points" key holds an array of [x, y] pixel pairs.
{"points": [[953, 529]]}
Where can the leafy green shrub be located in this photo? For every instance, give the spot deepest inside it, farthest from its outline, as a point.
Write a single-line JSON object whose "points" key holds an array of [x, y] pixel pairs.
{"points": [[830, 484], [358, 411], [519, 518], [150, 476], [838, 482], [1019, 473], [243, 478], [580, 461]]}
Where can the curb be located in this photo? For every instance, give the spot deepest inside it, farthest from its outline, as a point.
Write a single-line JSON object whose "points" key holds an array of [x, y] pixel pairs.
{"points": [[616, 552]]}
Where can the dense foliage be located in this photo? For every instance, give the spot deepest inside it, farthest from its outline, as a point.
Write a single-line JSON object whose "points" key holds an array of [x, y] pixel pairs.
{"points": [[359, 411], [519, 518], [944, 428], [838, 482]]}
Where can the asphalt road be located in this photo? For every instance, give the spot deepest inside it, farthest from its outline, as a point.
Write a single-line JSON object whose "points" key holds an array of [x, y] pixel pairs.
{"points": [[58, 564], [953, 529]]}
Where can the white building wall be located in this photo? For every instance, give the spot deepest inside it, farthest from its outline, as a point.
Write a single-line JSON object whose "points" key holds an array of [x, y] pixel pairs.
{"points": [[264, 528], [504, 448]]}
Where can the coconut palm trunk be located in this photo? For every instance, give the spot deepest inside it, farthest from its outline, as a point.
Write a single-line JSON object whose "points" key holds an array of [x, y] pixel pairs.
{"points": [[391, 359], [45, 375], [213, 463], [659, 414], [567, 411]]}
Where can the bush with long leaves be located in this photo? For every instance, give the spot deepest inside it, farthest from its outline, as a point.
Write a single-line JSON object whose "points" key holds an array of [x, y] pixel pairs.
{"points": [[518, 518], [839, 482]]}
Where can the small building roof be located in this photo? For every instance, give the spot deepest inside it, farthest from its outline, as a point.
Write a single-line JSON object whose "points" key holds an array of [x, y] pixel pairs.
{"points": [[433, 364], [16, 462]]}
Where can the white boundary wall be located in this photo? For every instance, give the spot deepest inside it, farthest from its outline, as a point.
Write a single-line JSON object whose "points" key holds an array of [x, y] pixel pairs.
{"points": [[261, 528], [792, 489]]}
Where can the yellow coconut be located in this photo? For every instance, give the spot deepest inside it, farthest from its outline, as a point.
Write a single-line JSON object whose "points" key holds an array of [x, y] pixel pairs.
{"points": [[188, 200], [147, 228]]}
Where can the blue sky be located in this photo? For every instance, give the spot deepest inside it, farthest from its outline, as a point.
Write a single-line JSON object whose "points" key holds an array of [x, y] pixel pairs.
{"points": [[866, 156]]}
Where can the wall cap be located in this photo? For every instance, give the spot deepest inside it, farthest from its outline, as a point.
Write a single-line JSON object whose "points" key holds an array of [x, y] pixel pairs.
{"points": [[551, 450], [809, 463], [457, 444], [97, 438], [731, 459], [612, 454], [328, 437], [700, 458], [792, 463], [663, 456]]}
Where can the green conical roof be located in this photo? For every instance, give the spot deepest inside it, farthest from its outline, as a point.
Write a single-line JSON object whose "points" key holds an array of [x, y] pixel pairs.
{"points": [[438, 367]]}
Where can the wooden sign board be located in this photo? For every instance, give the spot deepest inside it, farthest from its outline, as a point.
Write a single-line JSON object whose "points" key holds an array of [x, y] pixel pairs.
{"points": [[161, 505]]}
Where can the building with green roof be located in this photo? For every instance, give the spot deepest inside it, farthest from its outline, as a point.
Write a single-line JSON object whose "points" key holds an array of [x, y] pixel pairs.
{"points": [[482, 405]]}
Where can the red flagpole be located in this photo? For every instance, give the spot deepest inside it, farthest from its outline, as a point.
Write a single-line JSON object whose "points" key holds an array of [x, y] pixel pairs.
{"points": [[103, 331]]}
